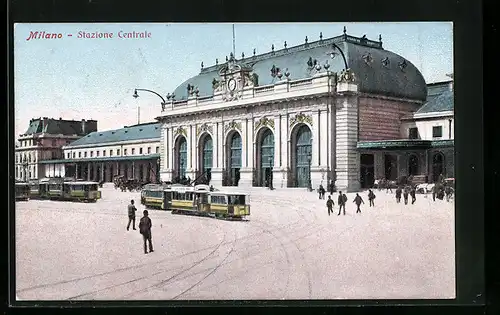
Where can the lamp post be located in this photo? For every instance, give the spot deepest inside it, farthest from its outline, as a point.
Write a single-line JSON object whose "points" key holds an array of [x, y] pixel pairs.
{"points": [[158, 170], [333, 54], [135, 95], [271, 172], [25, 170], [309, 184]]}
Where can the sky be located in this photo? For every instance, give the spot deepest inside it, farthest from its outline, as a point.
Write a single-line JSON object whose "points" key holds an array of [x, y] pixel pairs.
{"points": [[77, 78]]}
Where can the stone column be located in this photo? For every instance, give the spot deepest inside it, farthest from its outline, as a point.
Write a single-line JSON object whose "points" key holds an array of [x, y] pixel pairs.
{"points": [[246, 171], [88, 171], [278, 148], [216, 180], [76, 170], [347, 157], [191, 152], [379, 171]]}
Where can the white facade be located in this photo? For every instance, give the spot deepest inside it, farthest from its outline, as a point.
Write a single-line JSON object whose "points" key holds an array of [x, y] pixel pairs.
{"points": [[142, 147], [54, 170], [426, 122], [327, 108]]}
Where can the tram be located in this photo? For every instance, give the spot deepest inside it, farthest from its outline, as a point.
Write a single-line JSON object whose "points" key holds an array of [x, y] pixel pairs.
{"points": [[155, 196], [22, 191], [199, 200], [64, 190], [196, 200]]}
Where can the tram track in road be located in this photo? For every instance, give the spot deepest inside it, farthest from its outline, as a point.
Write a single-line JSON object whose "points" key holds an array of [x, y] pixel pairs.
{"points": [[151, 275], [212, 271]]}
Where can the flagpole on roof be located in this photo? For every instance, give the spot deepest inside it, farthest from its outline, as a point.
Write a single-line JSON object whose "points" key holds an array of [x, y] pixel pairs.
{"points": [[234, 45]]}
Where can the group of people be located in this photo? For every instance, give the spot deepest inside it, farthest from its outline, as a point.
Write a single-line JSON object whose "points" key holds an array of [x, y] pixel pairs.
{"points": [[145, 225], [322, 190], [342, 200]]}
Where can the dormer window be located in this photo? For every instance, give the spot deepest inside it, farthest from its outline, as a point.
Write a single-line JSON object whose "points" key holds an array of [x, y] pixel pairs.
{"points": [[413, 133], [437, 131]]}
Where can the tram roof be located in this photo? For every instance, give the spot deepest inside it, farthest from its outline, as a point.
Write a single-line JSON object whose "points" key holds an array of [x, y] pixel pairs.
{"points": [[81, 183]]}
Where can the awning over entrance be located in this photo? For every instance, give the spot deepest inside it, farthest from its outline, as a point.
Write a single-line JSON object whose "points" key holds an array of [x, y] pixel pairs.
{"points": [[103, 159], [403, 144]]}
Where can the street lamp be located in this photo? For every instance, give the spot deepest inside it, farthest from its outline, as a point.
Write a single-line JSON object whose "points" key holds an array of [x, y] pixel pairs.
{"points": [[334, 54], [135, 95], [271, 173], [158, 170], [309, 186]]}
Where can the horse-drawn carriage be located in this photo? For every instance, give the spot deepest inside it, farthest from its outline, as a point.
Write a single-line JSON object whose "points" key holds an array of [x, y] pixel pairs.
{"points": [[130, 184]]}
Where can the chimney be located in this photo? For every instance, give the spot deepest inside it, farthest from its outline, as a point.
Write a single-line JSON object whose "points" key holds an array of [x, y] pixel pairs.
{"points": [[83, 126]]}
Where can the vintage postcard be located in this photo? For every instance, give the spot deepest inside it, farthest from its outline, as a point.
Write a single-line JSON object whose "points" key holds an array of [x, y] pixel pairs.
{"points": [[234, 161]]}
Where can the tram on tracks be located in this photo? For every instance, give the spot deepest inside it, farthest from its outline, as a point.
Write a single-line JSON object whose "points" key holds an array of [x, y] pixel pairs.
{"points": [[64, 190], [196, 200], [22, 191]]}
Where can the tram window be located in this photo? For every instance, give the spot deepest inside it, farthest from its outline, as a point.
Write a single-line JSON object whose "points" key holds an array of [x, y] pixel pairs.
{"points": [[204, 198], [77, 187], [219, 200], [55, 187], [237, 200], [94, 187], [34, 187]]}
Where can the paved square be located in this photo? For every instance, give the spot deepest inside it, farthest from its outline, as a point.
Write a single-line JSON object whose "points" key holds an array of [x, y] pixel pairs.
{"points": [[288, 249]]}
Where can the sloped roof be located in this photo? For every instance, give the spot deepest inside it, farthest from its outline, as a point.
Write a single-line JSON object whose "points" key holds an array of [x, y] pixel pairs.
{"points": [[57, 126], [373, 77], [442, 103], [128, 133]]}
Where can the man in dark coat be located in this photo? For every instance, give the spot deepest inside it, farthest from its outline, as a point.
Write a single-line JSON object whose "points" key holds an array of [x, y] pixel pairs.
{"points": [[371, 197], [131, 215], [405, 195], [399, 191], [413, 195], [329, 205], [358, 202], [341, 201], [331, 187], [321, 191], [145, 229], [434, 188]]}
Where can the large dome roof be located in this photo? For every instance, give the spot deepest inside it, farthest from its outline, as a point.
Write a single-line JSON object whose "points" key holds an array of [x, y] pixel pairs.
{"points": [[378, 71]]}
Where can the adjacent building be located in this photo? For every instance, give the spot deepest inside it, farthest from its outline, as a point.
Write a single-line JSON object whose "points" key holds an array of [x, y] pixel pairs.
{"points": [[132, 151], [425, 148], [43, 141], [298, 116]]}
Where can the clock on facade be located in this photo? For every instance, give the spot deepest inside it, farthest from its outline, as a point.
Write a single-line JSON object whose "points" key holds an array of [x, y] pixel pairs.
{"points": [[231, 84]]}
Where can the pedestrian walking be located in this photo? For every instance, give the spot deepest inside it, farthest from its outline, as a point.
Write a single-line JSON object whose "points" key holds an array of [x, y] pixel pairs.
{"points": [[321, 191], [331, 187], [405, 195], [341, 200], [413, 195], [145, 229], [433, 193], [131, 215], [358, 200], [371, 197], [399, 191], [330, 204]]}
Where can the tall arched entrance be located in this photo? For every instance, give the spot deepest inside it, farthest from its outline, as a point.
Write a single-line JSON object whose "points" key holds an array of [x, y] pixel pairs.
{"points": [[234, 159], [437, 165], [181, 157], [265, 156], [413, 168], [302, 151], [206, 158]]}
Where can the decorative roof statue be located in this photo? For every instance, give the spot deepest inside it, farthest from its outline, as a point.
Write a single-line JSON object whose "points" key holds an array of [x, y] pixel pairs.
{"points": [[402, 65], [285, 44], [202, 64], [307, 40], [216, 61], [272, 47], [254, 51], [242, 55], [320, 35], [345, 31], [310, 62]]}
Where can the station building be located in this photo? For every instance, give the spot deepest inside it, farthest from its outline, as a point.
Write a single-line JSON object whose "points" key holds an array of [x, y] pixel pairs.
{"points": [[334, 109], [132, 151], [43, 141]]}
